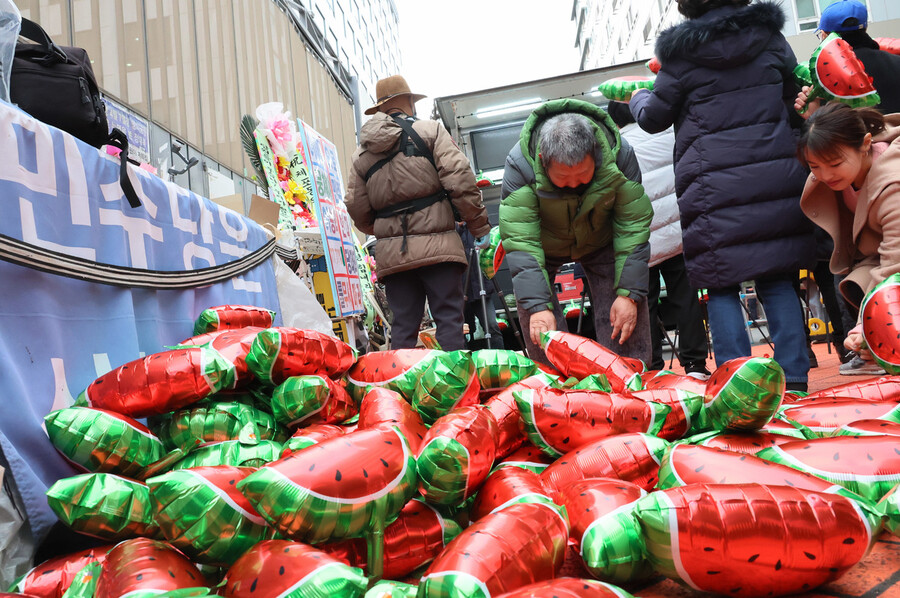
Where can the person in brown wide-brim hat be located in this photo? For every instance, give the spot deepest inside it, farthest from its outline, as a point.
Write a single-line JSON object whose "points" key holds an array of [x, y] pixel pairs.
{"points": [[389, 88]]}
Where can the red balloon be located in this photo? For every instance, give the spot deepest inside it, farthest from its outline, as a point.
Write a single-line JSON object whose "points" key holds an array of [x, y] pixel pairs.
{"points": [[748, 443], [873, 426], [234, 345], [144, 564], [827, 415], [880, 317], [385, 407], [279, 353], [159, 383], [581, 357], [306, 437], [685, 406], [504, 486], [589, 499], [886, 388], [753, 540], [278, 568], [393, 369], [628, 457], [414, 539], [567, 587], [560, 420], [685, 464], [509, 422], [527, 456], [503, 551], [677, 381], [888, 44], [53, 577], [457, 454], [230, 317]]}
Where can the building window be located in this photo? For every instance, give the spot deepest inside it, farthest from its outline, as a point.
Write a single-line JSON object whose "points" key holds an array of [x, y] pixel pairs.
{"points": [[648, 29], [332, 41], [319, 19]]}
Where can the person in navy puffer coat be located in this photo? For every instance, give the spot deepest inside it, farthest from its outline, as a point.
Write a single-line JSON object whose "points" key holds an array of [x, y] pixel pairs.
{"points": [[726, 84]]}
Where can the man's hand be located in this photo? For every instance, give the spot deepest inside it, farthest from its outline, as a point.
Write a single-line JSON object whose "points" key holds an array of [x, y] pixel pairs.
{"points": [[623, 317], [803, 105], [483, 242], [541, 322]]}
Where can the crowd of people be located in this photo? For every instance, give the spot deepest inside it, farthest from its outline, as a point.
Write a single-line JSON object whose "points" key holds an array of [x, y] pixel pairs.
{"points": [[709, 180]]}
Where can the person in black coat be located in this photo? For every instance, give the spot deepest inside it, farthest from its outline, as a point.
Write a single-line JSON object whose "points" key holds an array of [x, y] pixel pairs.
{"points": [[849, 19], [726, 83]]}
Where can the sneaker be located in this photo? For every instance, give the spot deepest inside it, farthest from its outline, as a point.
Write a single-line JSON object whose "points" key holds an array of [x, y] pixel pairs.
{"points": [[697, 369], [860, 367], [845, 355]]}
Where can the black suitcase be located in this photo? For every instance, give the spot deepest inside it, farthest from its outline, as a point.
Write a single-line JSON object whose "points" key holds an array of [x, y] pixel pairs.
{"points": [[56, 85]]}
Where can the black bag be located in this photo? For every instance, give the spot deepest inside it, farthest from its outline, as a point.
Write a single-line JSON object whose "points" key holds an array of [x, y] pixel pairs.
{"points": [[56, 85]]}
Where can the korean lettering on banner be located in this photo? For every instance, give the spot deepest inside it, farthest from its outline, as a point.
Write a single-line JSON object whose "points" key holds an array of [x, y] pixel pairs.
{"points": [[285, 220], [61, 200], [334, 222]]}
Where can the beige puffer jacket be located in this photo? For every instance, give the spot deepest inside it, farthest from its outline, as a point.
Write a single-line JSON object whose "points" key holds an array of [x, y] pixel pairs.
{"points": [[431, 233]]}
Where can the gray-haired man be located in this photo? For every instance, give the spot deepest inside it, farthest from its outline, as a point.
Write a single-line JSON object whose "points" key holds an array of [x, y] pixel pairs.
{"points": [[571, 192]]}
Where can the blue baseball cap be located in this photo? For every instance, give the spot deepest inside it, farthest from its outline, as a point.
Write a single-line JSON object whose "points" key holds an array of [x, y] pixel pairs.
{"points": [[844, 15]]}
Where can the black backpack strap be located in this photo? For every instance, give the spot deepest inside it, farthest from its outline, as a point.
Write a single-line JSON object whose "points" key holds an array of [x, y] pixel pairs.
{"points": [[405, 208], [118, 139], [36, 33], [377, 165], [415, 137]]}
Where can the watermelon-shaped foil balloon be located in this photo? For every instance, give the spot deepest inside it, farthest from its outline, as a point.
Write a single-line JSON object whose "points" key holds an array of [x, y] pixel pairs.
{"points": [[456, 455], [486, 257], [144, 567], [880, 315], [603, 526], [838, 74], [744, 393], [160, 382], [417, 536], [397, 370], [791, 540], [501, 552], [201, 512], [620, 89], [230, 317], [278, 568], [343, 487]]}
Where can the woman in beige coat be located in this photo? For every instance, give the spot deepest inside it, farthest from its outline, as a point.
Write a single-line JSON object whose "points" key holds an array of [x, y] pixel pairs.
{"points": [[853, 192]]}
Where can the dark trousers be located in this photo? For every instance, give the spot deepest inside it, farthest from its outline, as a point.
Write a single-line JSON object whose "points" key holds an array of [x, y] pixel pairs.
{"points": [[406, 292], [692, 345], [599, 270], [826, 281], [474, 310]]}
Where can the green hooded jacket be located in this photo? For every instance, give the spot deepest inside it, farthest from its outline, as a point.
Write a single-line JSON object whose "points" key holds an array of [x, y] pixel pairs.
{"points": [[538, 219]]}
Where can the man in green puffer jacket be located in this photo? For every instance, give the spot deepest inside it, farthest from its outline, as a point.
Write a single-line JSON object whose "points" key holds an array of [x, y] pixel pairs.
{"points": [[564, 199]]}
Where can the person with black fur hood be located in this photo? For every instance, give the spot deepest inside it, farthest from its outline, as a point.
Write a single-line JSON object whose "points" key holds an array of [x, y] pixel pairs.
{"points": [[726, 84]]}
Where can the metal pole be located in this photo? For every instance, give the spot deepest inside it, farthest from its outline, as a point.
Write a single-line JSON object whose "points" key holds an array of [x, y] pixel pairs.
{"points": [[487, 329]]}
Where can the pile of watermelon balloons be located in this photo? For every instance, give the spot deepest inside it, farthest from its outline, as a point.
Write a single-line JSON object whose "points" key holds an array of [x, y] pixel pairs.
{"points": [[277, 462]]}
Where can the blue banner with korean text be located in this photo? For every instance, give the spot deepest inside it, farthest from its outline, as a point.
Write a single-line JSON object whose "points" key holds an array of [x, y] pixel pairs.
{"points": [[61, 200]]}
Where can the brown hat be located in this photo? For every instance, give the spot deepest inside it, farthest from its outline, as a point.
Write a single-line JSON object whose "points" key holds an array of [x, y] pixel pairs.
{"points": [[391, 87]]}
